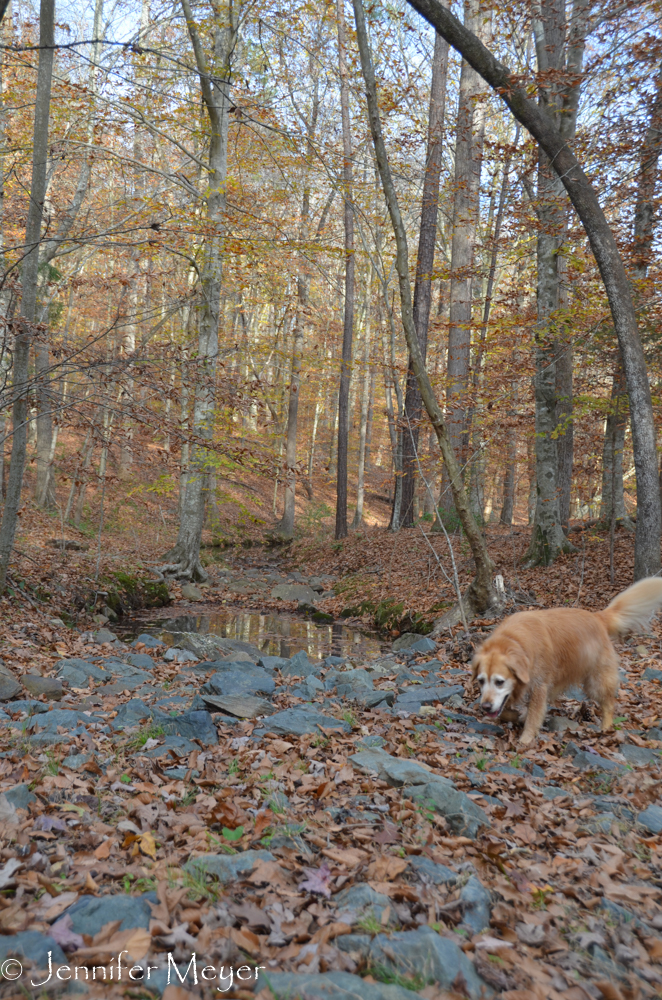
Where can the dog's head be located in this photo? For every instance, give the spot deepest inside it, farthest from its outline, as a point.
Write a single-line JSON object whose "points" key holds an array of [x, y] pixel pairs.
{"points": [[500, 672]]}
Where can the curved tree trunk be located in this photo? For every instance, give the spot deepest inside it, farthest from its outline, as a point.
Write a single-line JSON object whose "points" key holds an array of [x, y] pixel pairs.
{"points": [[612, 270], [480, 594]]}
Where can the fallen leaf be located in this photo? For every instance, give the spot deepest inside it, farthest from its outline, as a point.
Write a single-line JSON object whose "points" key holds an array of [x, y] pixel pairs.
{"points": [[317, 880], [62, 932]]}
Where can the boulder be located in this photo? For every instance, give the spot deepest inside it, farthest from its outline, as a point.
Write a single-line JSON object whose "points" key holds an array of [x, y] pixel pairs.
{"points": [[425, 954], [639, 756], [227, 867], [179, 744], [9, 687], [414, 643], [191, 593], [175, 655], [300, 721], [141, 660], [299, 592], [272, 663], [559, 724], [238, 679], [651, 674], [104, 635], [651, 819], [77, 672], [586, 761], [196, 725], [371, 699], [207, 647], [35, 946], [132, 713], [411, 698], [147, 640], [477, 905], [363, 901], [68, 718], [333, 986], [243, 706], [300, 666], [91, 913], [50, 687], [20, 796]]}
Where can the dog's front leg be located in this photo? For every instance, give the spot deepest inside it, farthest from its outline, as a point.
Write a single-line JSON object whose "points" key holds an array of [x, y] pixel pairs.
{"points": [[535, 715]]}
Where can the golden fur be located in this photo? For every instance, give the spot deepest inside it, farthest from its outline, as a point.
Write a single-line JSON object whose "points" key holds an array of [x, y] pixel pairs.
{"points": [[533, 656]]}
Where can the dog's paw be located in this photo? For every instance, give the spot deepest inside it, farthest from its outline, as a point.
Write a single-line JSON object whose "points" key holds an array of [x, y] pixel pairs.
{"points": [[527, 738]]}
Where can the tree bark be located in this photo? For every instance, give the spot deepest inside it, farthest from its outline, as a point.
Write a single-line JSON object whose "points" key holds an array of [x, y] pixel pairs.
{"points": [[614, 276], [348, 320], [29, 282], [424, 268], [365, 403], [183, 560], [480, 594]]}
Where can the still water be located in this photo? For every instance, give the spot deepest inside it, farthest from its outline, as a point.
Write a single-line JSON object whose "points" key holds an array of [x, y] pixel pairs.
{"points": [[275, 635]]}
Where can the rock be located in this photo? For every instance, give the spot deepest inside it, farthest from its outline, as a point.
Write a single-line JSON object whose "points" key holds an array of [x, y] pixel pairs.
{"points": [[425, 954], [91, 913], [109, 614], [431, 871], [349, 681], [191, 593], [277, 801], [76, 761], [68, 718], [207, 647], [141, 660], [240, 680], [294, 592], [371, 699], [9, 687], [463, 815], [559, 724], [227, 867], [77, 672], [411, 699], [28, 706], [35, 946], [408, 639], [477, 905], [179, 744], [362, 900], [300, 666], [147, 640], [273, 662], [334, 986], [175, 655], [650, 674], [243, 706], [49, 687], [653, 734], [600, 824], [20, 796], [639, 756], [100, 619], [104, 635], [570, 749], [651, 819], [371, 742], [131, 713], [196, 725], [586, 761], [300, 721]]}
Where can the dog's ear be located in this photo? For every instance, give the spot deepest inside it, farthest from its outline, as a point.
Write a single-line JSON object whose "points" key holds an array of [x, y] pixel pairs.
{"points": [[474, 667], [519, 664]]}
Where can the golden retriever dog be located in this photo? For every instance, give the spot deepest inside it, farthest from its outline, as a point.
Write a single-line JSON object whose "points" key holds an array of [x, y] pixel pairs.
{"points": [[533, 656]]}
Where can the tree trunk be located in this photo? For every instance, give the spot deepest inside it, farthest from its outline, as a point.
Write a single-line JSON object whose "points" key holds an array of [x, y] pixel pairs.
{"points": [[29, 282], [614, 276], [424, 268], [348, 321], [365, 404], [612, 456], [285, 527], [183, 560], [480, 594]]}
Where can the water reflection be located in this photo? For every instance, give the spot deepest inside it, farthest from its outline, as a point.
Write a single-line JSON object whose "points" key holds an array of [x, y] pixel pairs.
{"points": [[275, 635]]}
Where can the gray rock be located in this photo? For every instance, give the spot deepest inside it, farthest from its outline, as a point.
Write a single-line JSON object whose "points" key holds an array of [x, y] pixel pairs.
{"points": [[20, 796], [50, 687], [207, 647], [348, 681], [28, 706], [650, 674], [570, 749], [77, 672], [639, 756], [477, 905], [132, 713], [653, 734], [176, 655], [300, 666], [196, 725], [355, 944], [141, 660], [412, 698], [147, 640], [9, 688], [294, 592], [463, 816], [586, 761], [76, 761], [191, 593], [35, 946], [396, 770], [651, 819], [371, 742], [601, 823], [300, 721], [333, 986], [362, 900], [334, 661], [227, 867], [424, 953], [430, 871], [68, 718], [179, 744], [242, 706], [371, 699], [277, 801], [91, 913], [550, 792], [424, 645], [236, 681], [408, 639], [559, 724], [273, 662], [104, 635]]}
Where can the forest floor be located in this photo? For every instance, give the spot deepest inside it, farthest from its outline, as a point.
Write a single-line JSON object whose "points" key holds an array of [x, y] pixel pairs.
{"points": [[350, 827]]}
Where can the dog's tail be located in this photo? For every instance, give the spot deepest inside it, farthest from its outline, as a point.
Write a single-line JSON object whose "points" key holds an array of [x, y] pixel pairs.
{"points": [[632, 610]]}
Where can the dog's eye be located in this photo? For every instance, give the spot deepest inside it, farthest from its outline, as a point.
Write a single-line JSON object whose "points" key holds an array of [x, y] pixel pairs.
{"points": [[498, 682], [481, 681]]}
